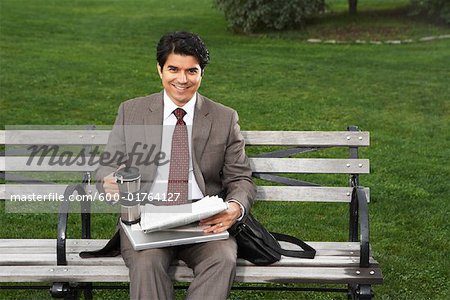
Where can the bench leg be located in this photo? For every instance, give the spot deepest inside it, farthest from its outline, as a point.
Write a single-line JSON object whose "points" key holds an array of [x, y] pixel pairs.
{"points": [[64, 290], [87, 288], [360, 292], [364, 292]]}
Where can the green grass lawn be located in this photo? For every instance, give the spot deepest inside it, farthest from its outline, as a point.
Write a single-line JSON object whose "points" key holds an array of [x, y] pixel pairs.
{"points": [[72, 63]]}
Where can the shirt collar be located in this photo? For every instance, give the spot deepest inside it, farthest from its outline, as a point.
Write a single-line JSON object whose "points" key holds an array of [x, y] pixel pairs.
{"points": [[169, 106]]}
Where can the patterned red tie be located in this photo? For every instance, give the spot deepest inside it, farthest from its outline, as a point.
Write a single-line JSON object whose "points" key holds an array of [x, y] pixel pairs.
{"points": [[177, 188]]}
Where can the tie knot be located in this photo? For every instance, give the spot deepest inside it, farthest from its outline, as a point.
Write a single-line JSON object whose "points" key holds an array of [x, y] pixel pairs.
{"points": [[179, 113]]}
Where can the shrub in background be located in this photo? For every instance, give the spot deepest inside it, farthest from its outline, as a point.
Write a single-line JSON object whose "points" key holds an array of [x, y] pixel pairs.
{"points": [[439, 9], [254, 15]]}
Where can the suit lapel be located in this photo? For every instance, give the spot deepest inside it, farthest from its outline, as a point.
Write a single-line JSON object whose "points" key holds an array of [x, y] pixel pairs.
{"points": [[153, 119], [200, 134], [155, 110]]}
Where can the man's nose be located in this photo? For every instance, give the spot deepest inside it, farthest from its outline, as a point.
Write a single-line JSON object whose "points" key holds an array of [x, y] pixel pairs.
{"points": [[182, 78]]}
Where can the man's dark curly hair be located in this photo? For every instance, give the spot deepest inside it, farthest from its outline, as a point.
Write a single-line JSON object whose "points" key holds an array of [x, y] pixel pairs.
{"points": [[183, 43]]}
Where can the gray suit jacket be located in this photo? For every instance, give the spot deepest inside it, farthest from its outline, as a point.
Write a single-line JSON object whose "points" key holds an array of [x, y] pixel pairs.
{"points": [[219, 159]]}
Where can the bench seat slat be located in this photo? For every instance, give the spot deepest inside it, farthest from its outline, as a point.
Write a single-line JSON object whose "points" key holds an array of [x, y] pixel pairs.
{"points": [[180, 273], [276, 138], [260, 165], [90, 244], [272, 193], [42, 252], [74, 259], [329, 252], [49, 259]]}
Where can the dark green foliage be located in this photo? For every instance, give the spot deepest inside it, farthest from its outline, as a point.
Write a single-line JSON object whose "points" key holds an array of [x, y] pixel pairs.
{"points": [[254, 15], [439, 9]]}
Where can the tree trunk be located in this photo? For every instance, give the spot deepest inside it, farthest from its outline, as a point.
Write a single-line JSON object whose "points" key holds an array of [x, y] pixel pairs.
{"points": [[352, 5]]}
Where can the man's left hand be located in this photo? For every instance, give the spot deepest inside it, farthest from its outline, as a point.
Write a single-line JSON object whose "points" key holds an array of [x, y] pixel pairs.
{"points": [[222, 221]]}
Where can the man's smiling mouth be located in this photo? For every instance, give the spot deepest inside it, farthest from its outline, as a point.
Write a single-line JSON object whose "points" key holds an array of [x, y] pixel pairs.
{"points": [[180, 88]]}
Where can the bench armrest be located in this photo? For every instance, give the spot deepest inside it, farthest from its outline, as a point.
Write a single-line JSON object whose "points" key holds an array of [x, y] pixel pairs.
{"points": [[62, 222], [363, 226]]}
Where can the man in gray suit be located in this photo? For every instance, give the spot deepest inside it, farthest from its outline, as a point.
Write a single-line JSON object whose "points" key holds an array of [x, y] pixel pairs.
{"points": [[217, 165]]}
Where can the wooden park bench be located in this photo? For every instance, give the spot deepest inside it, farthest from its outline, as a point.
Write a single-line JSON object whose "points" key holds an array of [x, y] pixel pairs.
{"points": [[346, 264]]}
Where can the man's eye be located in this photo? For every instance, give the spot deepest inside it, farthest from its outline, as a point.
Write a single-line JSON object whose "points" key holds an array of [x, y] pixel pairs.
{"points": [[193, 71], [172, 69]]}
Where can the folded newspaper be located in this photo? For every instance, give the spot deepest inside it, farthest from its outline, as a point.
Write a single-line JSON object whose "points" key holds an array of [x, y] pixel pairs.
{"points": [[155, 217]]}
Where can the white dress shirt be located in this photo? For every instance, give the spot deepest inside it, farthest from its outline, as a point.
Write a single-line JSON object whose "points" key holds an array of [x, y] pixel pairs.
{"points": [[160, 184]]}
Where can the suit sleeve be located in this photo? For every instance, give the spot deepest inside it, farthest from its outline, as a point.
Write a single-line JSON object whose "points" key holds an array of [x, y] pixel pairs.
{"points": [[115, 151], [237, 174]]}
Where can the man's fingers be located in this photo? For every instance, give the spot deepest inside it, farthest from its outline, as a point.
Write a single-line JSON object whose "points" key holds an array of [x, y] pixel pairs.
{"points": [[219, 222], [110, 185], [213, 219], [219, 227]]}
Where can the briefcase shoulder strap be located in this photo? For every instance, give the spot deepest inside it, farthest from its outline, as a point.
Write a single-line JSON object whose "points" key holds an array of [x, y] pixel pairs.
{"points": [[308, 252]]}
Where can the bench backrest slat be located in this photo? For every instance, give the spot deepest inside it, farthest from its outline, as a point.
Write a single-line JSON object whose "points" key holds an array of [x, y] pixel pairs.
{"points": [[51, 172], [306, 138], [310, 165], [260, 165], [272, 193], [252, 138]]}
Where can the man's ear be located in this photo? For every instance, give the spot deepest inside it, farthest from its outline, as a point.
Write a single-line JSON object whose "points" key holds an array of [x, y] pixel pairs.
{"points": [[159, 70]]}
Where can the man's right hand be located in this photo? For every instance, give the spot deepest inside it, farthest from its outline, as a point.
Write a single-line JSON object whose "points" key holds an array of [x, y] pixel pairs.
{"points": [[110, 185]]}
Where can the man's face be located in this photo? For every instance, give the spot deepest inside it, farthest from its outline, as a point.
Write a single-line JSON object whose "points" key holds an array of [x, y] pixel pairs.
{"points": [[181, 76]]}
